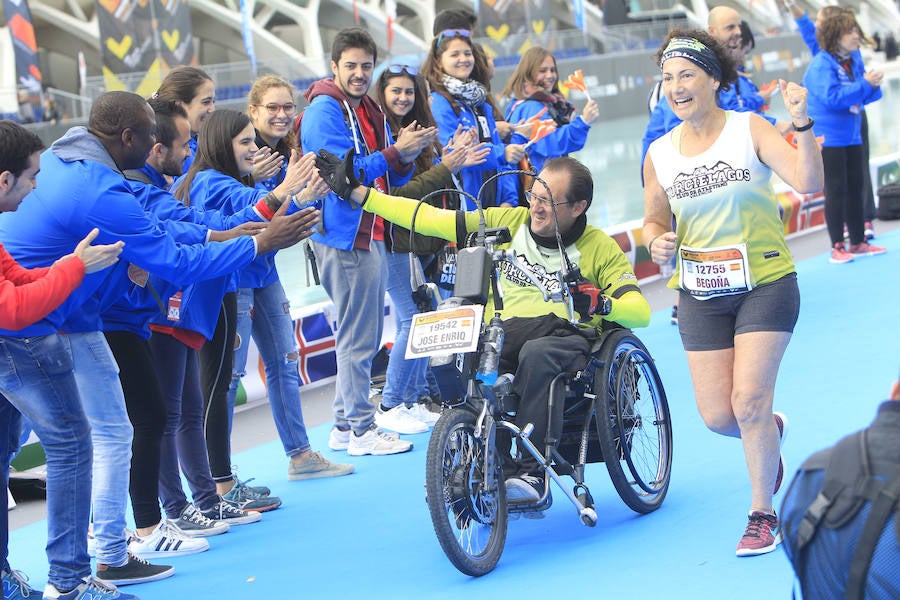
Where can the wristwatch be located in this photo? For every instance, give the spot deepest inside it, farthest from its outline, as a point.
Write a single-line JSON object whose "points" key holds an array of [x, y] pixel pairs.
{"points": [[604, 307], [806, 127]]}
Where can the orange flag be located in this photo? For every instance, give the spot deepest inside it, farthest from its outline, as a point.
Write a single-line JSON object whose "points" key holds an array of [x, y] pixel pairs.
{"points": [[576, 82], [541, 129]]}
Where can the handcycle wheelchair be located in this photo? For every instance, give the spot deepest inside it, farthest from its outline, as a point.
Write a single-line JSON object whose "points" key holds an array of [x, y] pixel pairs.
{"points": [[615, 411]]}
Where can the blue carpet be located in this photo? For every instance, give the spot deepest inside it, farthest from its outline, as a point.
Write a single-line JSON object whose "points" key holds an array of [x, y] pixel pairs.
{"points": [[369, 534]]}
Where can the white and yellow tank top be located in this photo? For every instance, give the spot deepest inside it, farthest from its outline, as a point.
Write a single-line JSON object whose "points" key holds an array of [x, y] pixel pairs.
{"points": [[728, 222]]}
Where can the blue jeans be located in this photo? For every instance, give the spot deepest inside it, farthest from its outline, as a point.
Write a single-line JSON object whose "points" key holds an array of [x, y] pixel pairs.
{"points": [[97, 376], [267, 313], [405, 379], [36, 379], [355, 281], [183, 443]]}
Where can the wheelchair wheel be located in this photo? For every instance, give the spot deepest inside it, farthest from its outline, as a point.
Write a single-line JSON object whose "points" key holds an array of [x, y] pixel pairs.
{"points": [[633, 422], [468, 512]]}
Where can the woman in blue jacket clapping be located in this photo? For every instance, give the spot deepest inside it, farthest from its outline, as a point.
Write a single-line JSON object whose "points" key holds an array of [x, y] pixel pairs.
{"points": [[839, 87], [460, 96]]}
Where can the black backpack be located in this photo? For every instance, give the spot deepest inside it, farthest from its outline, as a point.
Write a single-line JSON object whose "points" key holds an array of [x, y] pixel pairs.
{"points": [[841, 524]]}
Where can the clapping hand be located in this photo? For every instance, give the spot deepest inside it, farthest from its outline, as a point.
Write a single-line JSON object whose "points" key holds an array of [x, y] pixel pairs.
{"points": [[266, 164]]}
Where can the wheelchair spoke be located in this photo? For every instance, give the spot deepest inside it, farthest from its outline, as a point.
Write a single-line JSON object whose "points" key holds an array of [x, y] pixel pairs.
{"points": [[468, 516]]}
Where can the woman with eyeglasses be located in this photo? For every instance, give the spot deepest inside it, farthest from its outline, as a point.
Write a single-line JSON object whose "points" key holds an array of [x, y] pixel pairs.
{"points": [[535, 86], [193, 89], [401, 93], [263, 310], [460, 97]]}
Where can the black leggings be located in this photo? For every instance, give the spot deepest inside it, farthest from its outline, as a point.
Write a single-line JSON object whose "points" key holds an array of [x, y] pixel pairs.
{"points": [[844, 193], [147, 412], [216, 365]]}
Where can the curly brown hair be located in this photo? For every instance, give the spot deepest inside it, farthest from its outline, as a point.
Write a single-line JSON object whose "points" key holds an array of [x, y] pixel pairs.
{"points": [[729, 69], [835, 26]]}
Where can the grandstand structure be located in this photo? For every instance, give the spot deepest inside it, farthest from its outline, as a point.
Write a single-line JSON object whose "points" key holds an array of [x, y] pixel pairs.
{"points": [[293, 37]]}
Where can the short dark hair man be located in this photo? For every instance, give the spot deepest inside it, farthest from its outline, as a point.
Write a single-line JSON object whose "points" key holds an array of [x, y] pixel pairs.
{"points": [[350, 248], [43, 385], [540, 342]]}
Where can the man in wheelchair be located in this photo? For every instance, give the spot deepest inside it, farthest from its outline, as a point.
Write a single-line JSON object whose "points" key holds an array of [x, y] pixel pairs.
{"points": [[540, 342]]}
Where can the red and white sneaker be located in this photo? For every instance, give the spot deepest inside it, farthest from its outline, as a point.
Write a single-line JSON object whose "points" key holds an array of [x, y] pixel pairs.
{"points": [[866, 249], [839, 255], [781, 421], [761, 536]]}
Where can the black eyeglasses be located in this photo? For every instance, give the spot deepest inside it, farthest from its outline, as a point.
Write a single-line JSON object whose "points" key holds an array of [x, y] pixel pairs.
{"points": [[532, 198], [273, 108], [398, 69], [452, 33]]}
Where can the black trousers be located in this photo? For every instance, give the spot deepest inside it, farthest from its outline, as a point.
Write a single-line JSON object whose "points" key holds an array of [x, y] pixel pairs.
{"points": [[537, 349], [216, 365], [844, 193], [146, 408]]}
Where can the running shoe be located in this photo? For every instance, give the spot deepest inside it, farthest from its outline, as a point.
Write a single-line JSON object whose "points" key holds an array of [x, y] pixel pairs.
{"points": [[866, 249], [761, 536], [245, 498], [839, 255], [15, 585]]}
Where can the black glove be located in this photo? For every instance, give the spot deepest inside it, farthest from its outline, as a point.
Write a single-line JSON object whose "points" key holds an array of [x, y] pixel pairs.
{"points": [[340, 175], [588, 300]]}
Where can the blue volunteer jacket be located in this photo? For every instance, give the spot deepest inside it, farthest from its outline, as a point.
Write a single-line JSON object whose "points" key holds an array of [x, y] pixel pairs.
{"points": [[80, 188], [471, 177], [567, 138], [133, 309], [835, 99], [329, 122], [216, 192]]}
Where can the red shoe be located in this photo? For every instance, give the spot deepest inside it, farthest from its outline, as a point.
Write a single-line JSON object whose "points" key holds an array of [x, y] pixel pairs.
{"points": [[866, 249], [761, 536], [839, 255]]}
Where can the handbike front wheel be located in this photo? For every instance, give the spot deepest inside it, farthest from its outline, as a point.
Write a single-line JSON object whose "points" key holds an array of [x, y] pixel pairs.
{"points": [[468, 510], [633, 422]]}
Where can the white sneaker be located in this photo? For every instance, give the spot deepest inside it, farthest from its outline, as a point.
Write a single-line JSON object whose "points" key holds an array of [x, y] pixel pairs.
{"points": [[377, 442], [421, 412], [339, 439], [166, 540], [400, 419]]}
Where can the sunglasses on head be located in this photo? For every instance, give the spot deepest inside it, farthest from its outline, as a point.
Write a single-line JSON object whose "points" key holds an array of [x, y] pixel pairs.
{"points": [[452, 33], [398, 69]]}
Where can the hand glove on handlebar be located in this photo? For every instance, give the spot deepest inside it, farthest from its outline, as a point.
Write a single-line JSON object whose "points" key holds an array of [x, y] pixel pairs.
{"points": [[588, 300], [340, 175]]}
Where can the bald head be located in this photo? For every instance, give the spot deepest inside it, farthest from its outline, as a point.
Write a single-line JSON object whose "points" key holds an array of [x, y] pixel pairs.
{"points": [[724, 24]]}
